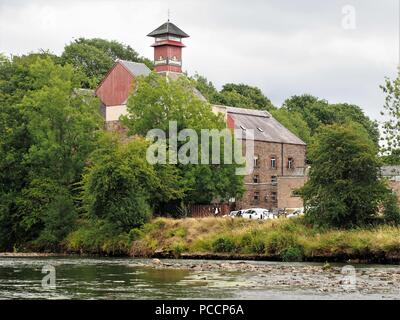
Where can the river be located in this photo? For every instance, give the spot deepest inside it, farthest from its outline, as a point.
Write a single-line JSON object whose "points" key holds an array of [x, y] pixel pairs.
{"points": [[127, 278]]}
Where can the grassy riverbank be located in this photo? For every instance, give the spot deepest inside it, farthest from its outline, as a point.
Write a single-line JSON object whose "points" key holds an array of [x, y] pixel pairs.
{"points": [[284, 240]]}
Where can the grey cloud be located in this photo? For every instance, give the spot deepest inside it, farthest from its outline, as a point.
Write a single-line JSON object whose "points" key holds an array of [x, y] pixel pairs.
{"points": [[284, 47]]}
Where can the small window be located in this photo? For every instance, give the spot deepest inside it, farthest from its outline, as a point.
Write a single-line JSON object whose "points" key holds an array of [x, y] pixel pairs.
{"points": [[256, 179], [274, 180], [273, 196], [290, 163], [256, 162], [256, 196], [243, 128], [295, 193], [273, 162], [261, 130]]}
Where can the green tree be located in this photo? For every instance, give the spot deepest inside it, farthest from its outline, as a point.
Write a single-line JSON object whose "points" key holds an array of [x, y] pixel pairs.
{"points": [[294, 122], [95, 57], [47, 131], [317, 112], [244, 96], [158, 101], [344, 187], [121, 187], [391, 126]]}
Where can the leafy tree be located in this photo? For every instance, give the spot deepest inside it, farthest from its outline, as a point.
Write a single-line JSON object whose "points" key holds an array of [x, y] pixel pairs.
{"points": [[96, 56], [294, 122], [120, 186], [391, 126], [206, 88], [47, 131], [234, 95], [245, 96], [344, 187], [158, 101], [318, 112]]}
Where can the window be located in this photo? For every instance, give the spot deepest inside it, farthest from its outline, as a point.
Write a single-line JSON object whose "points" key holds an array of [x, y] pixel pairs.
{"points": [[290, 163], [243, 128], [260, 129], [274, 180], [256, 179], [273, 162], [273, 196], [295, 193], [256, 196], [256, 162]]}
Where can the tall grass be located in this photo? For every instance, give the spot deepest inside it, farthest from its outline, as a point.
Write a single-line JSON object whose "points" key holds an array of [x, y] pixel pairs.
{"points": [[288, 240]]}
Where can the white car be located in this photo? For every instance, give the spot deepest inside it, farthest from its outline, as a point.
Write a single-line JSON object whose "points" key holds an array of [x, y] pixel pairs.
{"points": [[257, 213]]}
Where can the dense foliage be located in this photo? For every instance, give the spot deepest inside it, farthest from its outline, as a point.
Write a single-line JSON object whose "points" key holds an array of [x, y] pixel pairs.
{"points": [[391, 126], [95, 57], [47, 131], [303, 115], [344, 187], [158, 101]]}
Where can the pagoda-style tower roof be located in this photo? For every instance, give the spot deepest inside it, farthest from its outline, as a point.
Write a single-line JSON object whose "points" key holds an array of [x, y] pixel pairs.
{"points": [[168, 28]]}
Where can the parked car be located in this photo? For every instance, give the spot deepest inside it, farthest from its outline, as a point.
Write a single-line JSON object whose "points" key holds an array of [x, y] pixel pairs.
{"points": [[296, 213], [257, 213], [236, 214]]}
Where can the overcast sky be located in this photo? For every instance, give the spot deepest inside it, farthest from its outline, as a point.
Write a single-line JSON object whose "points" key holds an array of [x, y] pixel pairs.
{"points": [[284, 47]]}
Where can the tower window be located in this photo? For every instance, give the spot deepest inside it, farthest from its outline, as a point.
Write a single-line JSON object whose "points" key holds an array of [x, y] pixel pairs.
{"points": [[256, 179]]}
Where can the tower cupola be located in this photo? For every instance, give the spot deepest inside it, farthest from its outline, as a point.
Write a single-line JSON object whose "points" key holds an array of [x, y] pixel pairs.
{"points": [[168, 47]]}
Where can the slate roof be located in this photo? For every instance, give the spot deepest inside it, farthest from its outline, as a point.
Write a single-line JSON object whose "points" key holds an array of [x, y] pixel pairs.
{"points": [[135, 68], [271, 129], [168, 28]]}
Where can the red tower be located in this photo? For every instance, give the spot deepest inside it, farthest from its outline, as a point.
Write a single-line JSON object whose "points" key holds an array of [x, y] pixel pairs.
{"points": [[168, 47]]}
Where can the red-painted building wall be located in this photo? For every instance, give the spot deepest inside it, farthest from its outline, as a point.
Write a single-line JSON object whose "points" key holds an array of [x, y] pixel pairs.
{"points": [[116, 86]]}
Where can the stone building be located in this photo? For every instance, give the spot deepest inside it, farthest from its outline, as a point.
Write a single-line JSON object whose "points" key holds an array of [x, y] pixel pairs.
{"points": [[392, 174], [279, 158]]}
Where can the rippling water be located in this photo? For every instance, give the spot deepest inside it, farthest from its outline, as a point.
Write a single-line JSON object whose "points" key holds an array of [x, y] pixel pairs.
{"points": [[111, 278]]}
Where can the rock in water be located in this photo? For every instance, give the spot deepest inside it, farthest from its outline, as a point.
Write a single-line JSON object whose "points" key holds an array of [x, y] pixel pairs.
{"points": [[156, 261]]}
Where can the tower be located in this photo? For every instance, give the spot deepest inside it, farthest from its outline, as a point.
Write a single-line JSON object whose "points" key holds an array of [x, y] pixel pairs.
{"points": [[168, 47]]}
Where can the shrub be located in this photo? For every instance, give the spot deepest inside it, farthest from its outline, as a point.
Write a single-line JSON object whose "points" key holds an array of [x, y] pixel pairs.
{"points": [[391, 209], [223, 244], [286, 246], [257, 246], [293, 253], [179, 248]]}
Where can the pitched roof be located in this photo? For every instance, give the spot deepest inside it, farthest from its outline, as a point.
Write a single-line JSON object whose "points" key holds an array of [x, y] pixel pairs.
{"points": [[135, 68], [271, 129], [168, 28]]}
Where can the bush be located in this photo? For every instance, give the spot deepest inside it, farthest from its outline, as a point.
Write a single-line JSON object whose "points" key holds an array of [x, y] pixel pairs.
{"points": [[293, 253], [286, 246], [391, 209], [179, 248], [223, 244], [257, 246]]}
